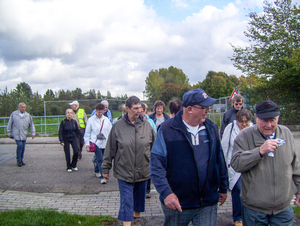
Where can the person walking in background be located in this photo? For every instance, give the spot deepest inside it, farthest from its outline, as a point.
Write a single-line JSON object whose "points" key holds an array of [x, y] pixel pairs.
{"points": [[107, 113], [17, 126], [144, 114], [68, 133], [128, 147], [243, 120], [174, 107], [230, 115], [266, 156], [80, 117], [187, 164], [96, 125], [159, 116]]}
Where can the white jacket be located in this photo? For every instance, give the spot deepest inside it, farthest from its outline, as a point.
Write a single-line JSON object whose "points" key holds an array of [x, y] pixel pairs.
{"points": [[227, 146], [93, 129], [17, 126]]}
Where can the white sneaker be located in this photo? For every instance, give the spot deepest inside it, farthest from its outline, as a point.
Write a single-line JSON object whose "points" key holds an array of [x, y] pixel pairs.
{"points": [[103, 181], [97, 174], [69, 170], [75, 169]]}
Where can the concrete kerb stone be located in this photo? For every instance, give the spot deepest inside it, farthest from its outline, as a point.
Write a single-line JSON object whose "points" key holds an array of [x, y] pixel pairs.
{"points": [[104, 203]]}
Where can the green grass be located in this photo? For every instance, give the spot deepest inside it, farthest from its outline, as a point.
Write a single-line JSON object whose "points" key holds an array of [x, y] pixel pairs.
{"points": [[50, 217], [297, 211]]}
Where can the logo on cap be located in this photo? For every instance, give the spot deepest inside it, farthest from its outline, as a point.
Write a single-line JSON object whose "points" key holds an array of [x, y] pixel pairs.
{"points": [[205, 95]]}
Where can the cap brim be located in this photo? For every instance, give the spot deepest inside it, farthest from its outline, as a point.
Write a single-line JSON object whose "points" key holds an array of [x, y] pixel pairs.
{"points": [[208, 102], [268, 114]]}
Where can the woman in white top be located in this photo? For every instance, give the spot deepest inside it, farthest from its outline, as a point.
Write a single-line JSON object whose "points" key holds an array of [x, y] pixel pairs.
{"points": [[97, 124], [243, 120]]}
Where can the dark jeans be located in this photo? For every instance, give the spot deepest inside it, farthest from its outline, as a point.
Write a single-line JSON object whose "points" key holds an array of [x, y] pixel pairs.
{"points": [[70, 164], [148, 186], [236, 201], [80, 143], [20, 149], [252, 217], [132, 198]]}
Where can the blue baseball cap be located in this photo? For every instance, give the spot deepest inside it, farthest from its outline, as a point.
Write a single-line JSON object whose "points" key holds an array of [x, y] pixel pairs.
{"points": [[197, 96]]}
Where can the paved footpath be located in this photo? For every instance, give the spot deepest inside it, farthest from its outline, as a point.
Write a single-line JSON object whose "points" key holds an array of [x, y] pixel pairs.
{"points": [[44, 183]]}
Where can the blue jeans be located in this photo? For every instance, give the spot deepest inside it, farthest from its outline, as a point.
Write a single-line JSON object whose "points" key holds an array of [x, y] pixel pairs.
{"points": [[206, 216], [252, 217], [98, 160], [132, 198], [20, 149], [236, 201]]}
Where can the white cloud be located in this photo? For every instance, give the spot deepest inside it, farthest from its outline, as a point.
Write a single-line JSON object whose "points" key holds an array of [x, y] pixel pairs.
{"points": [[111, 45], [180, 3]]}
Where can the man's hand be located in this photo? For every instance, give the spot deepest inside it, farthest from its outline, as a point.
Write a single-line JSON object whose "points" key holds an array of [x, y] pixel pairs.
{"points": [[33, 136], [297, 200], [268, 146], [62, 144], [105, 176], [222, 198], [172, 202]]}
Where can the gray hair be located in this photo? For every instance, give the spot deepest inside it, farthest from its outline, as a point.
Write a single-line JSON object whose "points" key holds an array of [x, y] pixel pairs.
{"points": [[104, 102], [68, 109], [21, 104]]}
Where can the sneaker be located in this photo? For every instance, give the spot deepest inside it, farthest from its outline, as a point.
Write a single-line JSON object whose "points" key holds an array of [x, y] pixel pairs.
{"points": [[69, 170], [238, 223], [148, 196], [103, 181], [137, 222], [97, 174], [19, 164], [75, 169]]}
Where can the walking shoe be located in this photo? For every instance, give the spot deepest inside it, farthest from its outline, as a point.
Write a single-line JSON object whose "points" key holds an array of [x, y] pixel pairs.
{"points": [[148, 196], [69, 170], [103, 181], [23, 163], [137, 222], [75, 169], [97, 174], [19, 164], [238, 223]]}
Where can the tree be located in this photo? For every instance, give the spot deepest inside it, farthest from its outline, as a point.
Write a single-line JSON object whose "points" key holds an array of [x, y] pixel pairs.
{"points": [[77, 94], [156, 79], [49, 95], [274, 38], [218, 84], [23, 91], [274, 54], [168, 92]]}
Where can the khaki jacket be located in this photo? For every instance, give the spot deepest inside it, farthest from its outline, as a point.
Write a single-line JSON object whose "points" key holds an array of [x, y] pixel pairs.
{"points": [[268, 183], [129, 146]]}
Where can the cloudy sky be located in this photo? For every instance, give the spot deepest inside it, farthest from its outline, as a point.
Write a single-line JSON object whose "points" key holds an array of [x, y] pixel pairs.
{"points": [[113, 45]]}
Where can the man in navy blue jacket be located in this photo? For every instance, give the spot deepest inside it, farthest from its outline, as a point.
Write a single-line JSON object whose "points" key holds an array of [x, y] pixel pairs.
{"points": [[187, 164]]}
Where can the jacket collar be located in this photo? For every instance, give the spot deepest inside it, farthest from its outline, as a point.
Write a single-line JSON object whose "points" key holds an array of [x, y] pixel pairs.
{"points": [[140, 118], [179, 125]]}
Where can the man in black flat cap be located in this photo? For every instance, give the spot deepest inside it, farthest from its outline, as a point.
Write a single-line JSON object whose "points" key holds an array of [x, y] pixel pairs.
{"points": [[187, 164], [266, 156]]}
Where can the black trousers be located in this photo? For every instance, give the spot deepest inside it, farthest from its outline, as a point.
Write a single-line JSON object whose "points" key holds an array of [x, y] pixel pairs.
{"points": [[80, 143], [67, 143]]}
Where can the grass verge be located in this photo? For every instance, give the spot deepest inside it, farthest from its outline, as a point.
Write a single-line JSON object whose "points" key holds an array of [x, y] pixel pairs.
{"points": [[50, 217], [297, 211]]}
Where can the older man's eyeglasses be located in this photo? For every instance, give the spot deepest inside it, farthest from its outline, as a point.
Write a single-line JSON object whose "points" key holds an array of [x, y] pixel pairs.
{"points": [[201, 107]]}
